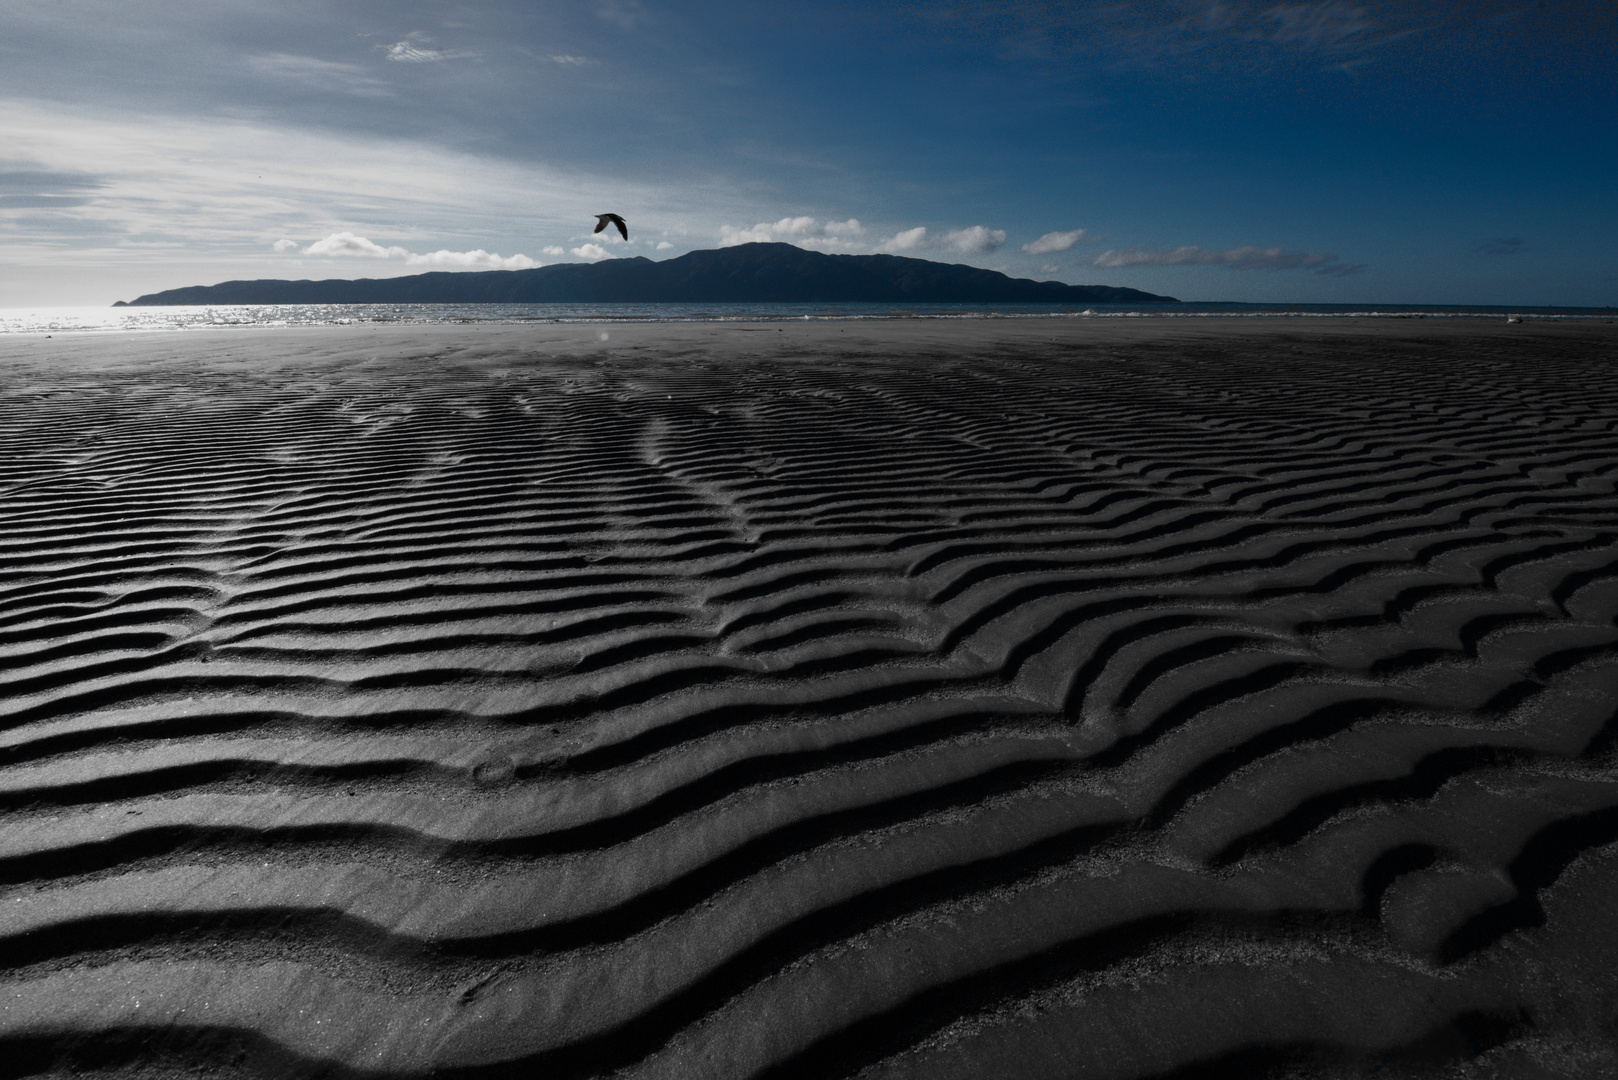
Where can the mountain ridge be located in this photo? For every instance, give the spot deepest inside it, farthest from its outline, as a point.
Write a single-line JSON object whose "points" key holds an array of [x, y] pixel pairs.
{"points": [[755, 273]]}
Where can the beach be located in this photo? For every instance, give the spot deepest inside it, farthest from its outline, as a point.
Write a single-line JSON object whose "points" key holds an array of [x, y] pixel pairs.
{"points": [[1137, 698]]}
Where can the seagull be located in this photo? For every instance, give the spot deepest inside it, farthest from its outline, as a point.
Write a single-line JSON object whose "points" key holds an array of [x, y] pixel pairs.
{"points": [[603, 220]]}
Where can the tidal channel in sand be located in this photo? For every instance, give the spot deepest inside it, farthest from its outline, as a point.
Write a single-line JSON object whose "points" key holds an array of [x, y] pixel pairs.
{"points": [[907, 699]]}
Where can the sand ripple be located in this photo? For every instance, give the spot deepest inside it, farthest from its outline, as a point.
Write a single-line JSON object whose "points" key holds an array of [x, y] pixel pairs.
{"points": [[801, 707]]}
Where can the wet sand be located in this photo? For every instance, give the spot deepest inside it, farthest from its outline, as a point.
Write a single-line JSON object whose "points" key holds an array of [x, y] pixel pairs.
{"points": [[1153, 698]]}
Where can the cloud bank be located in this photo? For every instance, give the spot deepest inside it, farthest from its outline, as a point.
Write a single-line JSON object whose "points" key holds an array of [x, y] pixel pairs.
{"points": [[849, 237], [478, 257], [1240, 258], [805, 232], [348, 245]]}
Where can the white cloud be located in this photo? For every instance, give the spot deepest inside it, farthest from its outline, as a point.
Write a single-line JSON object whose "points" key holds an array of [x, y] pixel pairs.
{"points": [[905, 240], [283, 246], [730, 236], [663, 245], [798, 226], [975, 240], [572, 61], [1053, 242], [348, 245], [805, 232], [1239, 258], [785, 229], [552, 249], [591, 252], [1049, 269], [473, 258]]}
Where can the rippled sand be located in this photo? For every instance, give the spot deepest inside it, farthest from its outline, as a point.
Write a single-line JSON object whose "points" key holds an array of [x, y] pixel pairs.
{"points": [[904, 700]]}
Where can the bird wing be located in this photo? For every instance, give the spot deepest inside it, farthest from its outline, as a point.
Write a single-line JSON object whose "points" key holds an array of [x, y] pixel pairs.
{"points": [[601, 223]]}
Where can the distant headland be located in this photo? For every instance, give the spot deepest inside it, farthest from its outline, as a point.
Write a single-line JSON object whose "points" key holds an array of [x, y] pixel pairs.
{"points": [[747, 273]]}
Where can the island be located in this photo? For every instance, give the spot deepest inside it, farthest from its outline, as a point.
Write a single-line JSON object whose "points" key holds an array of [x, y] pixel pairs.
{"points": [[746, 273]]}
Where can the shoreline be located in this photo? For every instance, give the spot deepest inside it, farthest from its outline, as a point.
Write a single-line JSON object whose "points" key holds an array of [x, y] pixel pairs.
{"points": [[27, 322], [796, 334]]}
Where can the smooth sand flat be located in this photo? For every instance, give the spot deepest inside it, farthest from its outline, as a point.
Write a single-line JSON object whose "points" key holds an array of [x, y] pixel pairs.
{"points": [[913, 698]]}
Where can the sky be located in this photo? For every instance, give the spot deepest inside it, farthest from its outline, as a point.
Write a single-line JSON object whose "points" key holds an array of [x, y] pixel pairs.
{"points": [[1317, 151]]}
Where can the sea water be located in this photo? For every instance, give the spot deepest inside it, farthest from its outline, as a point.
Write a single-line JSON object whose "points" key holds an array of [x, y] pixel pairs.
{"points": [[45, 320]]}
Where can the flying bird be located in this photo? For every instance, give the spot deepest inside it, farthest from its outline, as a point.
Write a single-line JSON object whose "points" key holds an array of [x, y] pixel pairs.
{"points": [[603, 220]]}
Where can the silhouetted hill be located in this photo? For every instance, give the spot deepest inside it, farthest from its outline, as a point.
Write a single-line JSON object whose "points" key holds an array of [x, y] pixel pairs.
{"points": [[752, 273]]}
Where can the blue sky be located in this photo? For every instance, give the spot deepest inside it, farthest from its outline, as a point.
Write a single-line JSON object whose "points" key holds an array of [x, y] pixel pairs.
{"points": [[1311, 151]]}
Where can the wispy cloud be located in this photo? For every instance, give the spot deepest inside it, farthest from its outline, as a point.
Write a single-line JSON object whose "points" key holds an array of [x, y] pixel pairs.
{"points": [[974, 240], [148, 186], [414, 49], [312, 73], [1319, 26], [1503, 245], [1053, 242], [1181, 37], [570, 60], [624, 14], [22, 183], [805, 232], [1239, 258], [408, 52], [40, 202], [348, 245]]}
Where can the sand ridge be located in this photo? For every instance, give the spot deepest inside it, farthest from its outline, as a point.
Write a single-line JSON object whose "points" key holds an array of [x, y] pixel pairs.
{"points": [[919, 698]]}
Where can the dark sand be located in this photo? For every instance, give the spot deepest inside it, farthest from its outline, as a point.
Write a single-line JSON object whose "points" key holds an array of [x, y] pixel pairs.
{"points": [[913, 699]]}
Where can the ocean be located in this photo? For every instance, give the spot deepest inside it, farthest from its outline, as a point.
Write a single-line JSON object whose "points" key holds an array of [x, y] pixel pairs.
{"points": [[50, 320]]}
